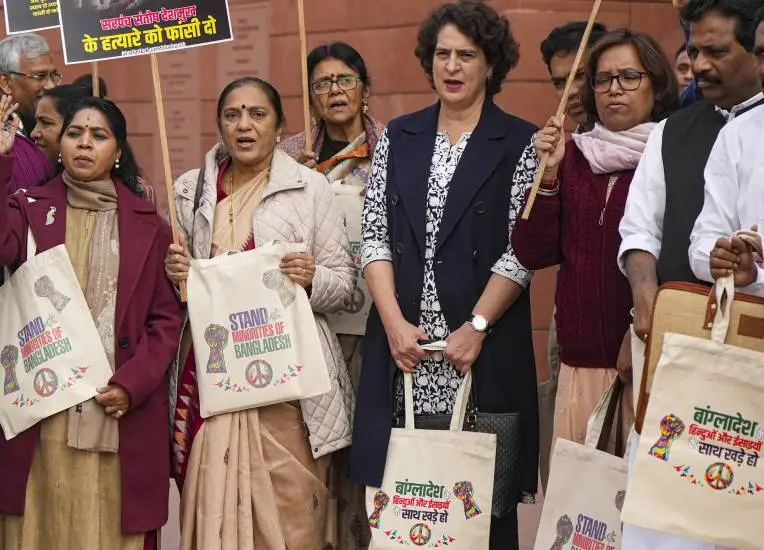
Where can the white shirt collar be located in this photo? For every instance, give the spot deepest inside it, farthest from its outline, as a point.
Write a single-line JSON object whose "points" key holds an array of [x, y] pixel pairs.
{"points": [[732, 113]]}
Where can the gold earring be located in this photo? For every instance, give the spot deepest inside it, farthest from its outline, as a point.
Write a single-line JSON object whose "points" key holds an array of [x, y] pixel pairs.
{"points": [[278, 139], [313, 121], [365, 108]]}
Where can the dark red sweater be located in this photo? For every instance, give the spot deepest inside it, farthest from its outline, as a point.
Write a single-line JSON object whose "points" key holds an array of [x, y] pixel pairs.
{"points": [[593, 297]]}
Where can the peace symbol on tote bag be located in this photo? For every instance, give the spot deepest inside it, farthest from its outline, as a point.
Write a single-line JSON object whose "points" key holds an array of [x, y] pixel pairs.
{"points": [[437, 489], [255, 337], [353, 319], [51, 356], [697, 472]]}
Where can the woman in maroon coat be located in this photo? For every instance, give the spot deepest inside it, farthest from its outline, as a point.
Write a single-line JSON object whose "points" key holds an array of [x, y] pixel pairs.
{"points": [[574, 222], [65, 485]]}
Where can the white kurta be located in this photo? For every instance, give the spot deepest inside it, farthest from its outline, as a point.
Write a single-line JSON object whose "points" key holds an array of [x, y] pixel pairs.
{"points": [[642, 229]]}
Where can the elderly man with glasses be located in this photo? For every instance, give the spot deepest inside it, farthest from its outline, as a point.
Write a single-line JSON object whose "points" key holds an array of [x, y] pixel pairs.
{"points": [[26, 71]]}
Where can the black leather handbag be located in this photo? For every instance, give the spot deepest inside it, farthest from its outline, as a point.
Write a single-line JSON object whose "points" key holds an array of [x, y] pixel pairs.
{"points": [[506, 427]]}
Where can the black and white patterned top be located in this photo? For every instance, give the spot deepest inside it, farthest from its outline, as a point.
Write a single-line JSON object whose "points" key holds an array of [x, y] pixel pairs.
{"points": [[436, 381]]}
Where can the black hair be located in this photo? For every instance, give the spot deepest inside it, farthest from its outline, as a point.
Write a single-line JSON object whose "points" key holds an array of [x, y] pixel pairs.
{"points": [[86, 80], [680, 50], [659, 70], [270, 92], [759, 17], [565, 40], [745, 12], [128, 170], [342, 52], [489, 30], [65, 96]]}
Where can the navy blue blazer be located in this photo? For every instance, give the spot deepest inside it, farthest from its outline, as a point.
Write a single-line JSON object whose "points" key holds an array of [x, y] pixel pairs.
{"points": [[473, 236]]}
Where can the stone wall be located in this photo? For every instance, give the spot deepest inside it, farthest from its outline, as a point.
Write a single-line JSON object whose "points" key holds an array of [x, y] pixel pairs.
{"points": [[384, 32]]}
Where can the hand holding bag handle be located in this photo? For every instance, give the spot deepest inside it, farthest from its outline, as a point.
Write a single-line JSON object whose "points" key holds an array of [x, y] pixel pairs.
{"points": [[724, 289]]}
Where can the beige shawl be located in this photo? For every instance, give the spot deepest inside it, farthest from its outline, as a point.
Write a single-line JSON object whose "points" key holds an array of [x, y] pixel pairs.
{"points": [[92, 241], [232, 233]]}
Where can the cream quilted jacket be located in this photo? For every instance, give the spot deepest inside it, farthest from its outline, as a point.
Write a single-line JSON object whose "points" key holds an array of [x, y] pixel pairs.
{"points": [[297, 204]]}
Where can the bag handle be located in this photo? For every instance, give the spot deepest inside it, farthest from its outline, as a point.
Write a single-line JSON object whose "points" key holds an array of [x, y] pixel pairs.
{"points": [[601, 422], [460, 405], [724, 290], [31, 247]]}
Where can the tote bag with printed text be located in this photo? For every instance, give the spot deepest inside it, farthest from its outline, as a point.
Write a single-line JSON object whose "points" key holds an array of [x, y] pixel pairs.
{"points": [[255, 337], [437, 488], [51, 357], [698, 472], [353, 319], [587, 486]]}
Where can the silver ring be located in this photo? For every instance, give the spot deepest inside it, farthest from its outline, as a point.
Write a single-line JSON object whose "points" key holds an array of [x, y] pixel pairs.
{"points": [[119, 414]]}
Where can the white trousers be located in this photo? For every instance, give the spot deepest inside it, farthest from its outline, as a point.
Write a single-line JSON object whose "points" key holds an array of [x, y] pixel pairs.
{"points": [[639, 538]]}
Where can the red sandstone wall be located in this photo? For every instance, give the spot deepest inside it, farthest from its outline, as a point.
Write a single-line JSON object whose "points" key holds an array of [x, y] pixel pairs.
{"points": [[384, 32]]}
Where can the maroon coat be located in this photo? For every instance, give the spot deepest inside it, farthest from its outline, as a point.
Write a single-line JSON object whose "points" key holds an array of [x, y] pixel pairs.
{"points": [[147, 326], [593, 297]]}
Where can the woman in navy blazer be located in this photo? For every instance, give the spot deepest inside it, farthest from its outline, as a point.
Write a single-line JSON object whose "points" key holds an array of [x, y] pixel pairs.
{"points": [[441, 202]]}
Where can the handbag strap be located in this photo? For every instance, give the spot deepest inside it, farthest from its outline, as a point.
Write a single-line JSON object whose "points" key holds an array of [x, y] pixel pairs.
{"points": [[199, 189], [460, 404]]}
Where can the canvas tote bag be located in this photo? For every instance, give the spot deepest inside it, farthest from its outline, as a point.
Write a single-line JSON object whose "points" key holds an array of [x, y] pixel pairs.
{"points": [[255, 337], [353, 320], [697, 472], [51, 357], [582, 505], [438, 485]]}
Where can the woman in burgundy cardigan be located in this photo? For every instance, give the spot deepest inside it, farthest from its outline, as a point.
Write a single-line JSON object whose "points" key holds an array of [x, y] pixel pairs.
{"points": [[574, 222]]}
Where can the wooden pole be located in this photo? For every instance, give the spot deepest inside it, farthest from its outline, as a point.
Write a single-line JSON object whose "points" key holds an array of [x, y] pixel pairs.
{"points": [[563, 103], [166, 158], [96, 80], [305, 76]]}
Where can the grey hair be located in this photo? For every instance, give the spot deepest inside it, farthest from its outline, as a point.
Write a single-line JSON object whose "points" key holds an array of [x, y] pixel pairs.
{"points": [[13, 48]]}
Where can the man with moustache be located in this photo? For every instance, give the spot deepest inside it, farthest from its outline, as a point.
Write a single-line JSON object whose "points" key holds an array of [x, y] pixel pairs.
{"points": [[558, 50], [666, 194], [733, 194]]}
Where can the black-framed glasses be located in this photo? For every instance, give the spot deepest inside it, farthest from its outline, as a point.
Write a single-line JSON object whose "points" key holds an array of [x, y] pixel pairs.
{"points": [[627, 80], [54, 76], [344, 82]]}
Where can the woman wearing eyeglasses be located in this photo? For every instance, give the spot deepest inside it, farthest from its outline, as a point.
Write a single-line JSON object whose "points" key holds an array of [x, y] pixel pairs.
{"points": [[344, 139], [574, 221]]}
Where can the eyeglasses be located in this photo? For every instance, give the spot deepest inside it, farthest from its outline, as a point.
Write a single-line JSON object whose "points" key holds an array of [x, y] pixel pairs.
{"points": [[54, 76], [344, 82], [627, 80]]}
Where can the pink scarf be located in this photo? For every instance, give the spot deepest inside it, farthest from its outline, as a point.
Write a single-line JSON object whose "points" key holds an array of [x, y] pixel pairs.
{"points": [[609, 152]]}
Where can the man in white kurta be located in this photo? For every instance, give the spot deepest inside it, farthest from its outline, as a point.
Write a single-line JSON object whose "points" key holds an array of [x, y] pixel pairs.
{"points": [[734, 201]]}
